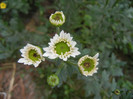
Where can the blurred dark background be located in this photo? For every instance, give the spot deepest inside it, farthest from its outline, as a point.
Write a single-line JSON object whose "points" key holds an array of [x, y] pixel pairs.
{"points": [[104, 26]]}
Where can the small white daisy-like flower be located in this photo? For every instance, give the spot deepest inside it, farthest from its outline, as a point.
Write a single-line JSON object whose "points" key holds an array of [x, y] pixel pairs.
{"points": [[57, 19], [32, 55], [87, 64], [61, 46]]}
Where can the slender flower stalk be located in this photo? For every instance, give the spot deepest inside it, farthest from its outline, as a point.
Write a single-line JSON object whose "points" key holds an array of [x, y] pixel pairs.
{"points": [[58, 30]]}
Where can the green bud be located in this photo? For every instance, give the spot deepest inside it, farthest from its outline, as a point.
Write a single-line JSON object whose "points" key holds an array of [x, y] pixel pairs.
{"points": [[117, 92], [53, 80], [57, 19]]}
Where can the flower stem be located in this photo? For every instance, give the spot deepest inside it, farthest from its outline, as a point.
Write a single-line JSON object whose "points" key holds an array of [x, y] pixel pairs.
{"points": [[58, 30], [69, 62], [59, 69]]}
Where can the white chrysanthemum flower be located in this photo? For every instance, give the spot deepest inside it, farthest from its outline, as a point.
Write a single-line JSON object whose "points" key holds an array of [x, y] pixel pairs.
{"points": [[61, 46], [57, 18], [31, 55], [87, 64]]}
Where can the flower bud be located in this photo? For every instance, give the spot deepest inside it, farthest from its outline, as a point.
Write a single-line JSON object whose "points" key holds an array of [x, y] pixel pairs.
{"points": [[53, 80], [117, 92], [57, 19]]}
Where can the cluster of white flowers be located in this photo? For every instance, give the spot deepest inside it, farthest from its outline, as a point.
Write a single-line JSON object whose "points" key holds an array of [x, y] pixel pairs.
{"points": [[60, 46]]}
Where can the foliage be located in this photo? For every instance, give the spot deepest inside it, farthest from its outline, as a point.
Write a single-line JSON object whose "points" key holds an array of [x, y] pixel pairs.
{"points": [[103, 26]]}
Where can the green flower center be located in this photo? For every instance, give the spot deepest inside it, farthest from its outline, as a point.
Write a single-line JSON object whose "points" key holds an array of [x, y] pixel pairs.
{"points": [[53, 80], [62, 47], [33, 55], [57, 16], [88, 64]]}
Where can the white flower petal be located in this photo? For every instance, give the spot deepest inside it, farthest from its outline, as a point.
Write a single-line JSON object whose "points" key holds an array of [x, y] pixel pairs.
{"points": [[62, 34], [65, 59], [21, 60], [73, 43], [96, 56], [97, 63], [46, 49], [29, 63], [36, 64], [22, 50], [52, 56]]}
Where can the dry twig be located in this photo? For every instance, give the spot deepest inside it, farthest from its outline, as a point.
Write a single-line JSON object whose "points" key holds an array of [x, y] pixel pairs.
{"points": [[12, 81]]}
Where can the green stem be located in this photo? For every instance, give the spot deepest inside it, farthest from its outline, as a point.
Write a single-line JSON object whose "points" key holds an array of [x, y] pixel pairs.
{"points": [[68, 62], [58, 30], [59, 69]]}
